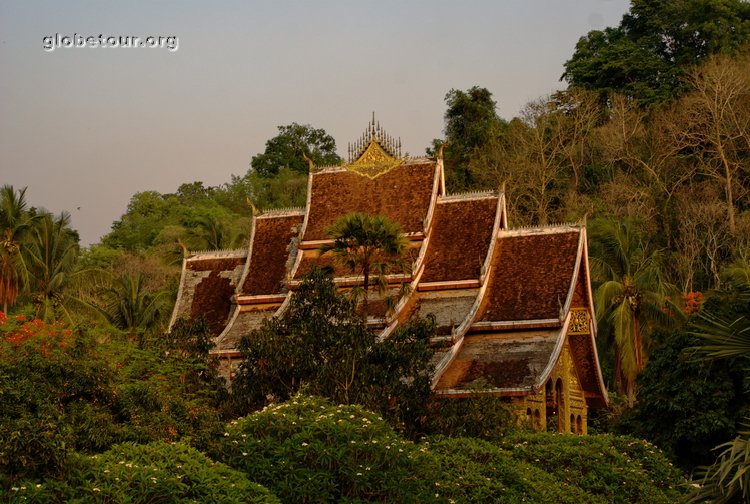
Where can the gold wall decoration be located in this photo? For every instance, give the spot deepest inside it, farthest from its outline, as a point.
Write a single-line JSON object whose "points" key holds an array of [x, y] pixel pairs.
{"points": [[579, 321]]}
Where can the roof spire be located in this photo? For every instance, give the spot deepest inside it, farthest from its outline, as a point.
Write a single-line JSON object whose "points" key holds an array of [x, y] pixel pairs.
{"points": [[374, 133]]}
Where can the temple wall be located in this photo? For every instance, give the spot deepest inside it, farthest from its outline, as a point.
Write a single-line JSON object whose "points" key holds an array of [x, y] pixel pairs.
{"points": [[562, 398]]}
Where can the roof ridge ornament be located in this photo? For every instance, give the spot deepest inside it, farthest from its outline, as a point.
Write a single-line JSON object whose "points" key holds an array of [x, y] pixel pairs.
{"points": [[375, 152]]}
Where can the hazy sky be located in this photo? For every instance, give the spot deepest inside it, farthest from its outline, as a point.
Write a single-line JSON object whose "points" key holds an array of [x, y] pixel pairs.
{"points": [[86, 128]]}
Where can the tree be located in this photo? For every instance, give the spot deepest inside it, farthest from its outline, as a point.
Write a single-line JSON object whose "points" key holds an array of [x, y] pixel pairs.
{"points": [[368, 245], [686, 406], [291, 145], [631, 299], [647, 54], [320, 342], [129, 306], [724, 329], [51, 257], [14, 222], [714, 124], [471, 120]]}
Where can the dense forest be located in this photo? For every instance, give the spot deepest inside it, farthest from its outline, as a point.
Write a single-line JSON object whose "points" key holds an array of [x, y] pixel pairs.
{"points": [[648, 144]]}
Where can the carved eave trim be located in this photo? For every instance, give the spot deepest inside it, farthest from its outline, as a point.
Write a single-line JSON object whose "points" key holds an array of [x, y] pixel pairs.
{"points": [[592, 318], [227, 354], [454, 284], [241, 283], [351, 281], [260, 299], [506, 325], [561, 337], [504, 392], [497, 226], [316, 244], [180, 291]]}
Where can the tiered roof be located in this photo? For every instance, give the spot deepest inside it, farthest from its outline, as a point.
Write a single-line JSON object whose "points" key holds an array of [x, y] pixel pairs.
{"points": [[532, 276], [208, 282], [403, 195], [502, 298], [461, 236], [267, 266]]}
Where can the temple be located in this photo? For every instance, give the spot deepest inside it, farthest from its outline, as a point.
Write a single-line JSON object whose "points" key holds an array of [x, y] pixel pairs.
{"points": [[513, 306]]}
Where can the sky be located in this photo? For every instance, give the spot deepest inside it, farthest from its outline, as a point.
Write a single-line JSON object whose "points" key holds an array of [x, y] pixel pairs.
{"points": [[85, 128]]}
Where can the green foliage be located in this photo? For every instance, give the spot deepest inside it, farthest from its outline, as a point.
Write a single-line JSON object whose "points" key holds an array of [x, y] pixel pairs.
{"points": [[482, 416], [62, 392], [196, 217], [368, 245], [130, 307], [45, 374], [648, 53], [289, 148], [608, 468], [156, 472], [474, 470], [686, 405], [309, 450], [470, 122], [631, 297], [724, 329], [322, 343]]}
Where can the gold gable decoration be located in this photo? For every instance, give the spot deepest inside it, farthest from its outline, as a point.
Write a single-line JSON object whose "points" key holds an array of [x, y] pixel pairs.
{"points": [[375, 152], [579, 321]]}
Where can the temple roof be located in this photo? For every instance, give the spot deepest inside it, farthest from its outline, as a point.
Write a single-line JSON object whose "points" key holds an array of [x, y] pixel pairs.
{"points": [[509, 362], [460, 238], [402, 194], [208, 282], [242, 324], [532, 275], [267, 264]]}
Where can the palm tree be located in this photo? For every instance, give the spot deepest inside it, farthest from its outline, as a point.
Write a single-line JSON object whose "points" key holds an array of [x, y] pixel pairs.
{"points": [[51, 257], [631, 299], [130, 306], [368, 245], [725, 331], [14, 222]]}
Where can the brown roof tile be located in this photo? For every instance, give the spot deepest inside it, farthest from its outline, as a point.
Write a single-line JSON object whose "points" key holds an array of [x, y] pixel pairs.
{"points": [[449, 308], [267, 264], [514, 360], [402, 194], [246, 322], [531, 277], [459, 239], [207, 288]]}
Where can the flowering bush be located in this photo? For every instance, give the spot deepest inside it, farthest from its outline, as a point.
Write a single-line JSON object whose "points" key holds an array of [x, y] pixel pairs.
{"points": [[18, 330], [156, 472], [308, 450]]}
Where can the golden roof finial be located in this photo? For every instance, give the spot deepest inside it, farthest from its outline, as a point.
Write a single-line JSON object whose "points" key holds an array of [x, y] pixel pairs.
{"points": [[375, 152]]}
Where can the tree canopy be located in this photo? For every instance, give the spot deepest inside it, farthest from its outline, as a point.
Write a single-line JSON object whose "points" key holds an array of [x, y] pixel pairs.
{"points": [[289, 148], [646, 56]]}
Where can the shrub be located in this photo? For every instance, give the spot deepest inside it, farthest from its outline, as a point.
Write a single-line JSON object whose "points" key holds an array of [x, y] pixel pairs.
{"points": [[321, 342], [474, 470], [156, 472], [308, 450], [609, 468]]}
